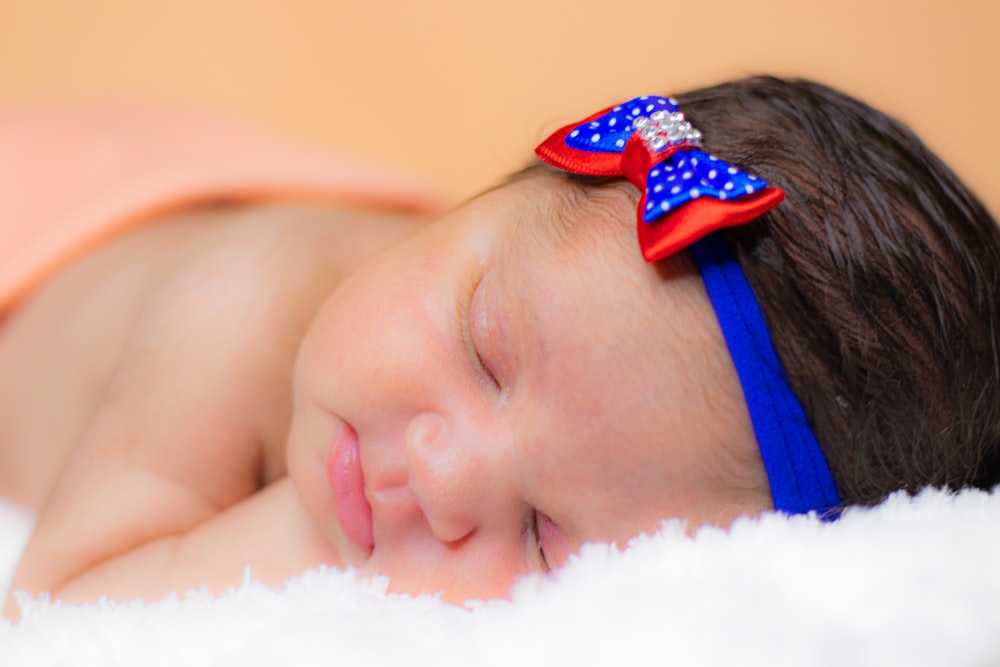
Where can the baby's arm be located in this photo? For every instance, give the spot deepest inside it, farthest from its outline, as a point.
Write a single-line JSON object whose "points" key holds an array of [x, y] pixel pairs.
{"points": [[193, 422], [166, 450], [268, 529]]}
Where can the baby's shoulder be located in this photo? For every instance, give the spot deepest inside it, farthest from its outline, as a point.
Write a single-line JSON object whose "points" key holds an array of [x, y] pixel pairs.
{"points": [[234, 304], [283, 257], [192, 324]]}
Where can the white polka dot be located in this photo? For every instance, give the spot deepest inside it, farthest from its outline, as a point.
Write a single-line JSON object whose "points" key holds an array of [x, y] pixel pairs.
{"points": [[694, 193], [649, 206], [644, 98], [722, 195], [728, 185], [649, 107], [694, 162], [595, 138], [749, 189], [654, 173], [617, 108], [712, 173], [732, 170], [658, 188], [611, 123], [687, 175], [594, 124], [620, 143], [574, 133], [635, 112], [665, 205], [675, 190]]}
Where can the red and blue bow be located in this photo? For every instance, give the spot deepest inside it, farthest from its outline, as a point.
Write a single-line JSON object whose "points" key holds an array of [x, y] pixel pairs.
{"points": [[686, 193]]}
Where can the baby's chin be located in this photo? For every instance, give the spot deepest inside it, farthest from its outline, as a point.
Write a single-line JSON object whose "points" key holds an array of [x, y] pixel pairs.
{"points": [[408, 582]]}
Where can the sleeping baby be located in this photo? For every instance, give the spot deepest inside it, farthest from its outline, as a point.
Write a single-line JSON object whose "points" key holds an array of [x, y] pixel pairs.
{"points": [[760, 296]]}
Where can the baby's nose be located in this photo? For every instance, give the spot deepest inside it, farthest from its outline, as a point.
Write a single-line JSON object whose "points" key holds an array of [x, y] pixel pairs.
{"points": [[445, 477]]}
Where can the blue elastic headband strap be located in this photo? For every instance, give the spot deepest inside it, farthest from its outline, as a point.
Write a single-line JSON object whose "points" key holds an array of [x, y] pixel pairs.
{"points": [[796, 468]]}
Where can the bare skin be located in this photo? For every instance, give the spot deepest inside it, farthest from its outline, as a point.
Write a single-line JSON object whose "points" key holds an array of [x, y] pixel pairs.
{"points": [[97, 357], [176, 400]]}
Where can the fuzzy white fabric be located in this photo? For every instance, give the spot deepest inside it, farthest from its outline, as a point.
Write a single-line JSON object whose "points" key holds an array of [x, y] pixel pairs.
{"points": [[914, 582]]}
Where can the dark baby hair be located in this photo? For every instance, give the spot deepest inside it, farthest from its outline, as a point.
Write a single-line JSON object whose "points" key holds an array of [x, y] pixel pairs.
{"points": [[879, 278]]}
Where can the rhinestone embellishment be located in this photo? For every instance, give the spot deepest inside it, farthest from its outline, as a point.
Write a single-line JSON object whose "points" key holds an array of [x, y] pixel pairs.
{"points": [[665, 129]]}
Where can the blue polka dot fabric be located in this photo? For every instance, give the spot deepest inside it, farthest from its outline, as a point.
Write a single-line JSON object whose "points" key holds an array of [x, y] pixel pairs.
{"points": [[610, 132], [689, 174], [685, 174]]}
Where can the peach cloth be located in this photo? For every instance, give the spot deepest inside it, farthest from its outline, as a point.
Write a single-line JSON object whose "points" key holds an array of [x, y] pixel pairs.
{"points": [[72, 177]]}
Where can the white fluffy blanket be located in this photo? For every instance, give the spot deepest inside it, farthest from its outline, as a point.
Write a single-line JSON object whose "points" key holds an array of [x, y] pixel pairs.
{"points": [[912, 582]]}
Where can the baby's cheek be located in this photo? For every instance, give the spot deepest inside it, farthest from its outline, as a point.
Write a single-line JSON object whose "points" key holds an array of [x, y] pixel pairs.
{"points": [[306, 460]]}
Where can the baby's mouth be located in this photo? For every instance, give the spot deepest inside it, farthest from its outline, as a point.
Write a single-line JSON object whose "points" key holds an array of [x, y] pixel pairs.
{"points": [[347, 480]]}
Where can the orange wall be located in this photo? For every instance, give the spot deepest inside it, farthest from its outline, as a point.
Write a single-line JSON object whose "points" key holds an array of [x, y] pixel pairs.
{"points": [[463, 89]]}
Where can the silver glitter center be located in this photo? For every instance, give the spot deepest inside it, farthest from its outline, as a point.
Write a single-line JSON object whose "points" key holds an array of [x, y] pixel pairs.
{"points": [[663, 129]]}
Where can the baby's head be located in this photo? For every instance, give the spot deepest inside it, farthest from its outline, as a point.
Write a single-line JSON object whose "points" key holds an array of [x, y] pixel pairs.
{"points": [[516, 380], [879, 277]]}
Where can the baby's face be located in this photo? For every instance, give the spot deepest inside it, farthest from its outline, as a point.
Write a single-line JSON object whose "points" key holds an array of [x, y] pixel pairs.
{"points": [[509, 383]]}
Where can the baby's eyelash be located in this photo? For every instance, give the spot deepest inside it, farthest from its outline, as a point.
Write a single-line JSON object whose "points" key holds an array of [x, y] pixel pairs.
{"points": [[536, 540], [465, 331]]}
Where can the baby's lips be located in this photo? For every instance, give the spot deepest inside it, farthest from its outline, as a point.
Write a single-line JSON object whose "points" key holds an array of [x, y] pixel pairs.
{"points": [[347, 481]]}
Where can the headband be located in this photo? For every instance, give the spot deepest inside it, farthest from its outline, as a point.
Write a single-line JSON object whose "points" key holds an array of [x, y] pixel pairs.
{"points": [[686, 195]]}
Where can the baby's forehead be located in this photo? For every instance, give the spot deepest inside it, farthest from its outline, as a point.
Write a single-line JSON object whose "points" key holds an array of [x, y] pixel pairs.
{"points": [[552, 211]]}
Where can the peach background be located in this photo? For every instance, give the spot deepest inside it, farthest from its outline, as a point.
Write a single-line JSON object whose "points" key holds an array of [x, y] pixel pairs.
{"points": [[461, 90]]}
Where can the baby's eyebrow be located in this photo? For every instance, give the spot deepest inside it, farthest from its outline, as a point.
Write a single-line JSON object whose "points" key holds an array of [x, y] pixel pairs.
{"points": [[554, 221], [545, 221]]}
